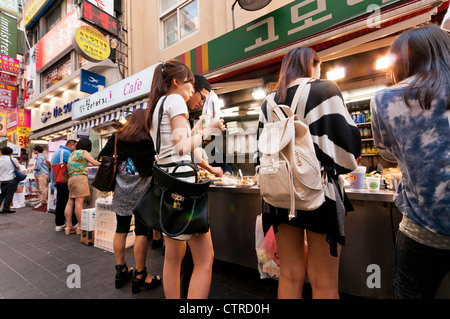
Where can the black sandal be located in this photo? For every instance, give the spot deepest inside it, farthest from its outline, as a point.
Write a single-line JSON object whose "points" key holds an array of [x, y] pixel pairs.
{"points": [[122, 276], [138, 283]]}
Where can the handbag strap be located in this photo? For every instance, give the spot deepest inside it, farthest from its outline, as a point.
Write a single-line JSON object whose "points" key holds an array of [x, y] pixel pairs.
{"points": [[189, 218], [14, 165]]}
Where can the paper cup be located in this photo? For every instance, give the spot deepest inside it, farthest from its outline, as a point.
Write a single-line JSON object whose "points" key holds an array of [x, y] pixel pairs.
{"points": [[373, 184], [357, 178]]}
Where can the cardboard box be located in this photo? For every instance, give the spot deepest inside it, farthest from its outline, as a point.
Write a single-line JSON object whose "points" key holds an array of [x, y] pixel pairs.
{"points": [[87, 237], [88, 219]]}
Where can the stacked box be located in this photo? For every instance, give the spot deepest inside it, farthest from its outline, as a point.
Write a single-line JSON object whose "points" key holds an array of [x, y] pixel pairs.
{"points": [[105, 226]]}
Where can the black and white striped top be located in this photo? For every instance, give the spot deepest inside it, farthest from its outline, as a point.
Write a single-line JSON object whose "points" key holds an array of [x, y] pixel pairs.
{"points": [[336, 138]]}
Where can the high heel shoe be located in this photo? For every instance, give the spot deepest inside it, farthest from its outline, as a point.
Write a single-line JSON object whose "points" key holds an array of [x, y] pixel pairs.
{"points": [[122, 276], [69, 230], [138, 283]]}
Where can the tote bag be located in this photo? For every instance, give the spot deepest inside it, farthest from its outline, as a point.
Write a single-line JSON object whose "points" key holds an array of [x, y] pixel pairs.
{"points": [[60, 172], [18, 173]]}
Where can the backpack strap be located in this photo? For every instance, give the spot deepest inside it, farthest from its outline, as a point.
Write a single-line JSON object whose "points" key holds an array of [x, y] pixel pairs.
{"points": [[302, 82]]}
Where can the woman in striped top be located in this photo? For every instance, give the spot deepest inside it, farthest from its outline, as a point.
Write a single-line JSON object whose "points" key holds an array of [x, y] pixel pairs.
{"points": [[337, 143]]}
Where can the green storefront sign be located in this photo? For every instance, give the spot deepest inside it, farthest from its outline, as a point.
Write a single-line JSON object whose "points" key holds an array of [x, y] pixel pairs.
{"points": [[289, 24], [8, 36]]}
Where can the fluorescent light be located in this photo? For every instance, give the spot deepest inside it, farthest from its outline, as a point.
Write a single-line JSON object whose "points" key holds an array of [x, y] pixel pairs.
{"points": [[336, 74], [383, 63], [230, 114], [259, 94]]}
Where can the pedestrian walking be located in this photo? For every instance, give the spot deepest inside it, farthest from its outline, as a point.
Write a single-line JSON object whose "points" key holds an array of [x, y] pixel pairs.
{"points": [[135, 153], [41, 172], [78, 182], [19, 195], [7, 179], [410, 121], [337, 143], [173, 83]]}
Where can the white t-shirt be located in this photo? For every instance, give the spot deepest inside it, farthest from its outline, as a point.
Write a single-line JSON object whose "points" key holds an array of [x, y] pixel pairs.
{"points": [[174, 105], [7, 169]]}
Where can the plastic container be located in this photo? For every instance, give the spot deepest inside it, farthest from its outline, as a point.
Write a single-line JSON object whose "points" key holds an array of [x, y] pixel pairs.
{"points": [[357, 178], [373, 184]]}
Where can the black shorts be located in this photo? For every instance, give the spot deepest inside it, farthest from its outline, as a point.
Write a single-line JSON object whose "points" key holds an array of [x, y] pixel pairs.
{"points": [[123, 226]]}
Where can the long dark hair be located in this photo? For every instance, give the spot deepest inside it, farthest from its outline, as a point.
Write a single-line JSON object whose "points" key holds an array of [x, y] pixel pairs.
{"points": [[162, 80], [425, 53], [296, 63], [134, 131]]}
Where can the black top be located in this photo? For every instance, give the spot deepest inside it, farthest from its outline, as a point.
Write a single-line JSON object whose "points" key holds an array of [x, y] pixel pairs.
{"points": [[142, 154]]}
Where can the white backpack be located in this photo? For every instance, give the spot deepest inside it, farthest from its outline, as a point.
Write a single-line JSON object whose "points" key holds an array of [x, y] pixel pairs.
{"points": [[290, 174]]}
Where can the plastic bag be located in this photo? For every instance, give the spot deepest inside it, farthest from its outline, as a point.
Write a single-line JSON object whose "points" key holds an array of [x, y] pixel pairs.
{"points": [[211, 108], [266, 252]]}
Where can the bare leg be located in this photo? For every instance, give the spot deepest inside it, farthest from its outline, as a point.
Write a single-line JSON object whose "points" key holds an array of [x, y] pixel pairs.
{"points": [[291, 251], [203, 256], [323, 269], [174, 254]]}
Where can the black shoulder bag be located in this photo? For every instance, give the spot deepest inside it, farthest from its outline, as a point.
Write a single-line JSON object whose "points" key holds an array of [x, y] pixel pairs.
{"points": [[171, 205]]}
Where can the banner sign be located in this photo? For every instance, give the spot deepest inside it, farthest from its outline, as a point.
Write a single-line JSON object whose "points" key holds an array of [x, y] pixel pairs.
{"points": [[3, 115], [9, 64], [8, 78], [8, 36], [101, 19], [296, 21], [30, 76], [105, 5], [91, 44], [11, 6], [125, 91], [8, 96], [33, 9], [90, 81], [57, 41]]}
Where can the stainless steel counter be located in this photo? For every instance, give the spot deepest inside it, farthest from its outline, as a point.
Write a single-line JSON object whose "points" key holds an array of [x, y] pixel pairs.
{"points": [[370, 232]]}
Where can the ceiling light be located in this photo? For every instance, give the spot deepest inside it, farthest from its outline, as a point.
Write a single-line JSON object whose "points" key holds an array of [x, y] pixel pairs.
{"points": [[336, 74], [384, 63], [259, 94]]}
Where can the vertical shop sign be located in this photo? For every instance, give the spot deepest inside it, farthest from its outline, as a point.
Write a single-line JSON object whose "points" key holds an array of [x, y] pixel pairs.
{"points": [[298, 20], [10, 6], [18, 124], [8, 97], [8, 36], [33, 9], [105, 5], [101, 19], [57, 41], [9, 64], [30, 85]]}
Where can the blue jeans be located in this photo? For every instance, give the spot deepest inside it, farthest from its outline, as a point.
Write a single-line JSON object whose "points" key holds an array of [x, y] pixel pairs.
{"points": [[418, 269]]}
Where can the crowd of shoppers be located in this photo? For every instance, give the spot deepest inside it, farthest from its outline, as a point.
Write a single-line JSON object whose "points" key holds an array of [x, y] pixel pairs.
{"points": [[410, 125]]}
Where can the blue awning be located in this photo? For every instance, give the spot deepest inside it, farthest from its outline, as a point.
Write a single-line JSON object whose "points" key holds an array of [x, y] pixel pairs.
{"points": [[111, 115]]}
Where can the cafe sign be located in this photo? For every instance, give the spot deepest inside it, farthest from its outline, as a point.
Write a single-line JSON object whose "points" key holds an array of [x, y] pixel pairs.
{"points": [[91, 44], [298, 20], [126, 91]]}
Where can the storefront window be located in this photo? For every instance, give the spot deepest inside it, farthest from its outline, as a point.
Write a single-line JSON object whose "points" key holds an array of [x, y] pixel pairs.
{"points": [[179, 19], [53, 17], [57, 73]]}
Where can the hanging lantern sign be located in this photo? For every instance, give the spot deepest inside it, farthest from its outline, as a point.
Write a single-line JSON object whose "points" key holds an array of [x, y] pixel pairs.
{"points": [[91, 44]]}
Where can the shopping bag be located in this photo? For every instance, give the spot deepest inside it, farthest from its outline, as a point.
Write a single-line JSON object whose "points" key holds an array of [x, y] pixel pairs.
{"points": [[266, 252]]}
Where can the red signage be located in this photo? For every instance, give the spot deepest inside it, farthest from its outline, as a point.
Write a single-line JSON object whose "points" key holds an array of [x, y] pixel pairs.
{"points": [[57, 40], [8, 78], [8, 97], [9, 64], [100, 18]]}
